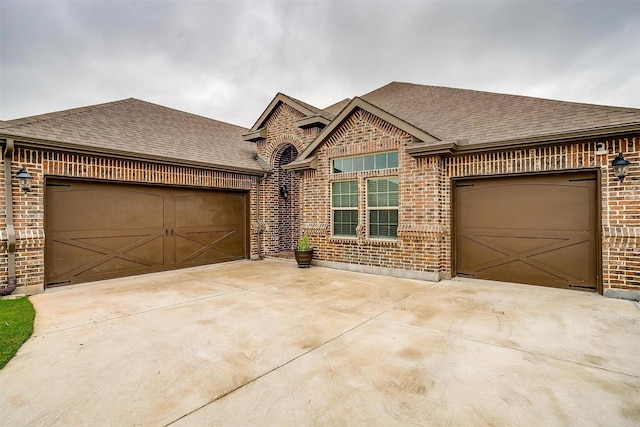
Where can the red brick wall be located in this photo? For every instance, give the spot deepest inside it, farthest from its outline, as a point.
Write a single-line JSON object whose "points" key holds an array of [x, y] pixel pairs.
{"points": [[419, 232], [620, 202], [424, 237], [281, 218], [29, 208], [424, 242]]}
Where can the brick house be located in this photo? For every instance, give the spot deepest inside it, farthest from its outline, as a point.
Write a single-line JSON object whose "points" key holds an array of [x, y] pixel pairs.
{"points": [[430, 182], [408, 180], [125, 188]]}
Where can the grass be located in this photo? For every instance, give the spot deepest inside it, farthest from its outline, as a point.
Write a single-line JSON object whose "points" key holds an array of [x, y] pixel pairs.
{"points": [[16, 325]]}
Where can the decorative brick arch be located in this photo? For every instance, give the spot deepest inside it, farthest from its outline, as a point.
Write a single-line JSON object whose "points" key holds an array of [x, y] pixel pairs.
{"points": [[282, 213], [279, 143]]}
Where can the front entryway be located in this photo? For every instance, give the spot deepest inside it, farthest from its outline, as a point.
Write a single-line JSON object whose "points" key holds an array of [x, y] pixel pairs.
{"points": [[539, 229], [288, 216], [98, 230]]}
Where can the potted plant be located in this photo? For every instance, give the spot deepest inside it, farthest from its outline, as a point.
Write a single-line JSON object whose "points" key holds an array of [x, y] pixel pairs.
{"points": [[304, 252]]}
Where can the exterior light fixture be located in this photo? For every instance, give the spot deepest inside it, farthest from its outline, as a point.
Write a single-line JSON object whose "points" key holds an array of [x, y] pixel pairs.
{"points": [[24, 179], [620, 167], [284, 192]]}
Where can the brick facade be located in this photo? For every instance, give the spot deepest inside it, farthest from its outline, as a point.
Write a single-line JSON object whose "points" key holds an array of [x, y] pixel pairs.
{"points": [[284, 141], [29, 208], [423, 248], [424, 243], [620, 202]]}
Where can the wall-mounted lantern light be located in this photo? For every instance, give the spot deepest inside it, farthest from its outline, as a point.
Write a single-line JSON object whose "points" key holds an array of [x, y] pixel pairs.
{"points": [[24, 179], [620, 167], [284, 192]]}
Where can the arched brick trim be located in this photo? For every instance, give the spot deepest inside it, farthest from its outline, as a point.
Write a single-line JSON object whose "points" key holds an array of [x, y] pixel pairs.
{"points": [[281, 214], [279, 143]]}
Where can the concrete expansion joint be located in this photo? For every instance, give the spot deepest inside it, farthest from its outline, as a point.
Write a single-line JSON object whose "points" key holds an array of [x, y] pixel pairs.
{"points": [[220, 396]]}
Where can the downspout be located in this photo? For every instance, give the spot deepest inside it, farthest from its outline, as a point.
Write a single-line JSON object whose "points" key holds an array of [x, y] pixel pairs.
{"points": [[258, 215], [11, 233]]}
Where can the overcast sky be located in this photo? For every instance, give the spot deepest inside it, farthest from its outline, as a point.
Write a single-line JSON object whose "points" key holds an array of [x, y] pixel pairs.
{"points": [[227, 59]]}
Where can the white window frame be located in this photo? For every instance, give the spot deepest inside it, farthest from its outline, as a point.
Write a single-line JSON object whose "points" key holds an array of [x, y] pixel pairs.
{"points": [[343, 208], [381, 208]]}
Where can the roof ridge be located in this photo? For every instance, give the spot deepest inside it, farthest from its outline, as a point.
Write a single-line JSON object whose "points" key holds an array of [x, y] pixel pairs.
{"points": [[512, 95], [304, 104], [80, 110], [187, 113], [63, 113]]}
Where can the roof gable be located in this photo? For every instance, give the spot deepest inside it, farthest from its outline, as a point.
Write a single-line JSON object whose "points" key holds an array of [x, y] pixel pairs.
{"points": [[132, 128], [334, 110], [485, 117], [306, 157], [313, 116], [281, 98], [445, 120]]}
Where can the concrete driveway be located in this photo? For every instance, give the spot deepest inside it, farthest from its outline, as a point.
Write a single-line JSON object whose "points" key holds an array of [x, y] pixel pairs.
{"points": [[267, 344]]}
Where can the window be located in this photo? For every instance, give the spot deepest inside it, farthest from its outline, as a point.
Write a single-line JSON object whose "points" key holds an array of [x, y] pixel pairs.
{"points": [[382, 208], [344, 207], [366, 163]]}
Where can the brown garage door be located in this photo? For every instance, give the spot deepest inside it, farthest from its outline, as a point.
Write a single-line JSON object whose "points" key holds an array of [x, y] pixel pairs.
{"points": [[539, 230], [97, 230]]}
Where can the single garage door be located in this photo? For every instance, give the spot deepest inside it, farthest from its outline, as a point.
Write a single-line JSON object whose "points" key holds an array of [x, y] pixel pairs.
{"points": [[539, 230], [97, 230]]}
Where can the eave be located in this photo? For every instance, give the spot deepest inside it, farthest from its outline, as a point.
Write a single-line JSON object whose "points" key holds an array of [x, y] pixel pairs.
{"points": [[125, 155], [307, 158], [255, 135], [312, 121], [310, 163], [459, 147]]}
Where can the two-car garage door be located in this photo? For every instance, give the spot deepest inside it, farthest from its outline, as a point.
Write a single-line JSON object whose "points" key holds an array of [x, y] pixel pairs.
{"points": [[99, 230], [538, 229]]}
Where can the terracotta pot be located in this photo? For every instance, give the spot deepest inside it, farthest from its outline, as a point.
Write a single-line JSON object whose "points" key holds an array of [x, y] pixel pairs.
{"points": [[303, 258]]}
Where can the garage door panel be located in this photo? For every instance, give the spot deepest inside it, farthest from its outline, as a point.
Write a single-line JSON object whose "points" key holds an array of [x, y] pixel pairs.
{"points": [[526, 206], [206, 256], [136, 245], [117, 243], [528, 273], [115, 265], [70, 258], [535, 229], [209, 246], [522, 244], [92, 268], [101, 230], [195, 210], [78, 257], [563, 259], [105, 209], [476, 253]]}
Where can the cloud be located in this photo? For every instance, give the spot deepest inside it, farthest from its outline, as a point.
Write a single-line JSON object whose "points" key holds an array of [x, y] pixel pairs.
{"points": [[227, 59]]}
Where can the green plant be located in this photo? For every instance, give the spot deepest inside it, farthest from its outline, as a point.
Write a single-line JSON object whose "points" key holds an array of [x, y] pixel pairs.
{"points": [[303, 243], [16, 325]]}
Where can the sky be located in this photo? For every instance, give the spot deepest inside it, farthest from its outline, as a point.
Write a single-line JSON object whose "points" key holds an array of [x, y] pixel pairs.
{"points": [[227, 60]]}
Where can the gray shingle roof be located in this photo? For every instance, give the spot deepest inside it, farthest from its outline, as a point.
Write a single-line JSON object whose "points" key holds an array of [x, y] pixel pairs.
{"points": [[479, 117], [332, 110], [144, 129], [304, 104]]}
